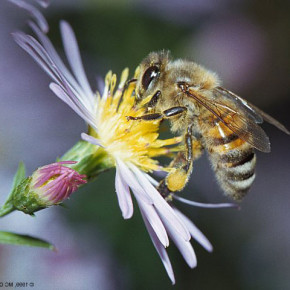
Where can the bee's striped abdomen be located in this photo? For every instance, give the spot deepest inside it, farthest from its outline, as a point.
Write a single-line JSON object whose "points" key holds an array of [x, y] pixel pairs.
{"points": [[233, 160]]}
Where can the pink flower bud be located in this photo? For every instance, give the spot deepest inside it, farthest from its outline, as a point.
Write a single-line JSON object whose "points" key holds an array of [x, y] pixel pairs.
{"points": [[54, 183]]}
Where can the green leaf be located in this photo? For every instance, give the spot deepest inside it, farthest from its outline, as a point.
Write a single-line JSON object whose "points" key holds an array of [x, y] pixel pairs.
{"points": [[23, 240], [19, 176]]}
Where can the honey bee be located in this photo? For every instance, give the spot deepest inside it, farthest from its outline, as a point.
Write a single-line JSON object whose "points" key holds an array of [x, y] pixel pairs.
{"points": [[208, 116]]}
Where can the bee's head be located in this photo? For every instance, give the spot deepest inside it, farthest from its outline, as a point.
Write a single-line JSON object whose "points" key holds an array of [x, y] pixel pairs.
{"points": [[151, 70]]}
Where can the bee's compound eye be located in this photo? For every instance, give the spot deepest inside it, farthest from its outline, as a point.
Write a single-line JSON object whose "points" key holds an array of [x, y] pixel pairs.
{"points": [[151, 73]]}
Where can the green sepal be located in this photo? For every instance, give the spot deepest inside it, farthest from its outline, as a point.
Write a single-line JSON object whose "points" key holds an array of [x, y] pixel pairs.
{"points": [[23, 199], [24, 240], [19, 175], [26, 200], [91, 159]]}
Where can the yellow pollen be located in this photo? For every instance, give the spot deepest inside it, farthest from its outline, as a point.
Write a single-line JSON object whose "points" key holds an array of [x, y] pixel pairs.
{"points": [[134, 141]]}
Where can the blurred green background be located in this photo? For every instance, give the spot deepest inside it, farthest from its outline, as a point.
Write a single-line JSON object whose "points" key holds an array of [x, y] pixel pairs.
{"points": [[247, 43]]}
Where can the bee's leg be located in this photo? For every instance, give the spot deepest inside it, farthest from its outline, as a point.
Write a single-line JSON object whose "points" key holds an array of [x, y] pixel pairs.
{"points": [[172, 112], [148, 117], [181, 166], [128, 82], [152, 103], [176, 179]]}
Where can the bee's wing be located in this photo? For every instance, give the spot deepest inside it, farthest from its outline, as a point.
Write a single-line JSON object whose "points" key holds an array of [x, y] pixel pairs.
{"points": [[241, 123], [257, 114], [243, 105], [270, 119]]}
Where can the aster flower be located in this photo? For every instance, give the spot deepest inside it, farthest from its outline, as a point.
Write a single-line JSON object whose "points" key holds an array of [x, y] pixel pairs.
{"points": [[112, 141], [48, 185]]}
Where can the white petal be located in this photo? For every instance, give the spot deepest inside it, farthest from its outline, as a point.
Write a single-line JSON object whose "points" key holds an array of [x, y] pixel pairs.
{"points": [[59, 63], [186, 250], [43, 3], [124, 196], [69, 98], [152, 180], [206, 205], [63, 90], [100, 84], [195, 232], [163, 208], [91, 139], [183, 246], [160, 250], [73, 57], [33, 47], [46, 56], [133, 183], [152, 217], [41, 21]]}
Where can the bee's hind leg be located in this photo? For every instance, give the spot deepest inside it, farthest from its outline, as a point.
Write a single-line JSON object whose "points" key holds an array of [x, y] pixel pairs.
{"points": [[181, 167], [182, 164]]}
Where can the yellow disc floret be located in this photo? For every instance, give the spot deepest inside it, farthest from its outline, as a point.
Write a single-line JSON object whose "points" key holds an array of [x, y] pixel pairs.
{"points": [[134, 141]]}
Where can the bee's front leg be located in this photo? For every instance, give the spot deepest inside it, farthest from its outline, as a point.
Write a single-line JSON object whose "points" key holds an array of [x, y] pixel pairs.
{"points": [[181, 167], [153, 101], [167, 114]]}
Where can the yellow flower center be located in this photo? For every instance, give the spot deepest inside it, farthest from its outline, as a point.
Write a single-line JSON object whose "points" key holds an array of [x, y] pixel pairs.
{"points": [[134, 141]]}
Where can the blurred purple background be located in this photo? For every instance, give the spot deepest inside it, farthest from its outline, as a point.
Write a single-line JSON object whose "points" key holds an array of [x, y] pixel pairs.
{"points": [[247, 43]]}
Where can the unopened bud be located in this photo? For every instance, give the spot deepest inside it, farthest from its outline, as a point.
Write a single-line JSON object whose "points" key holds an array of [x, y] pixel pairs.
{"points": [[49, 185]]}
